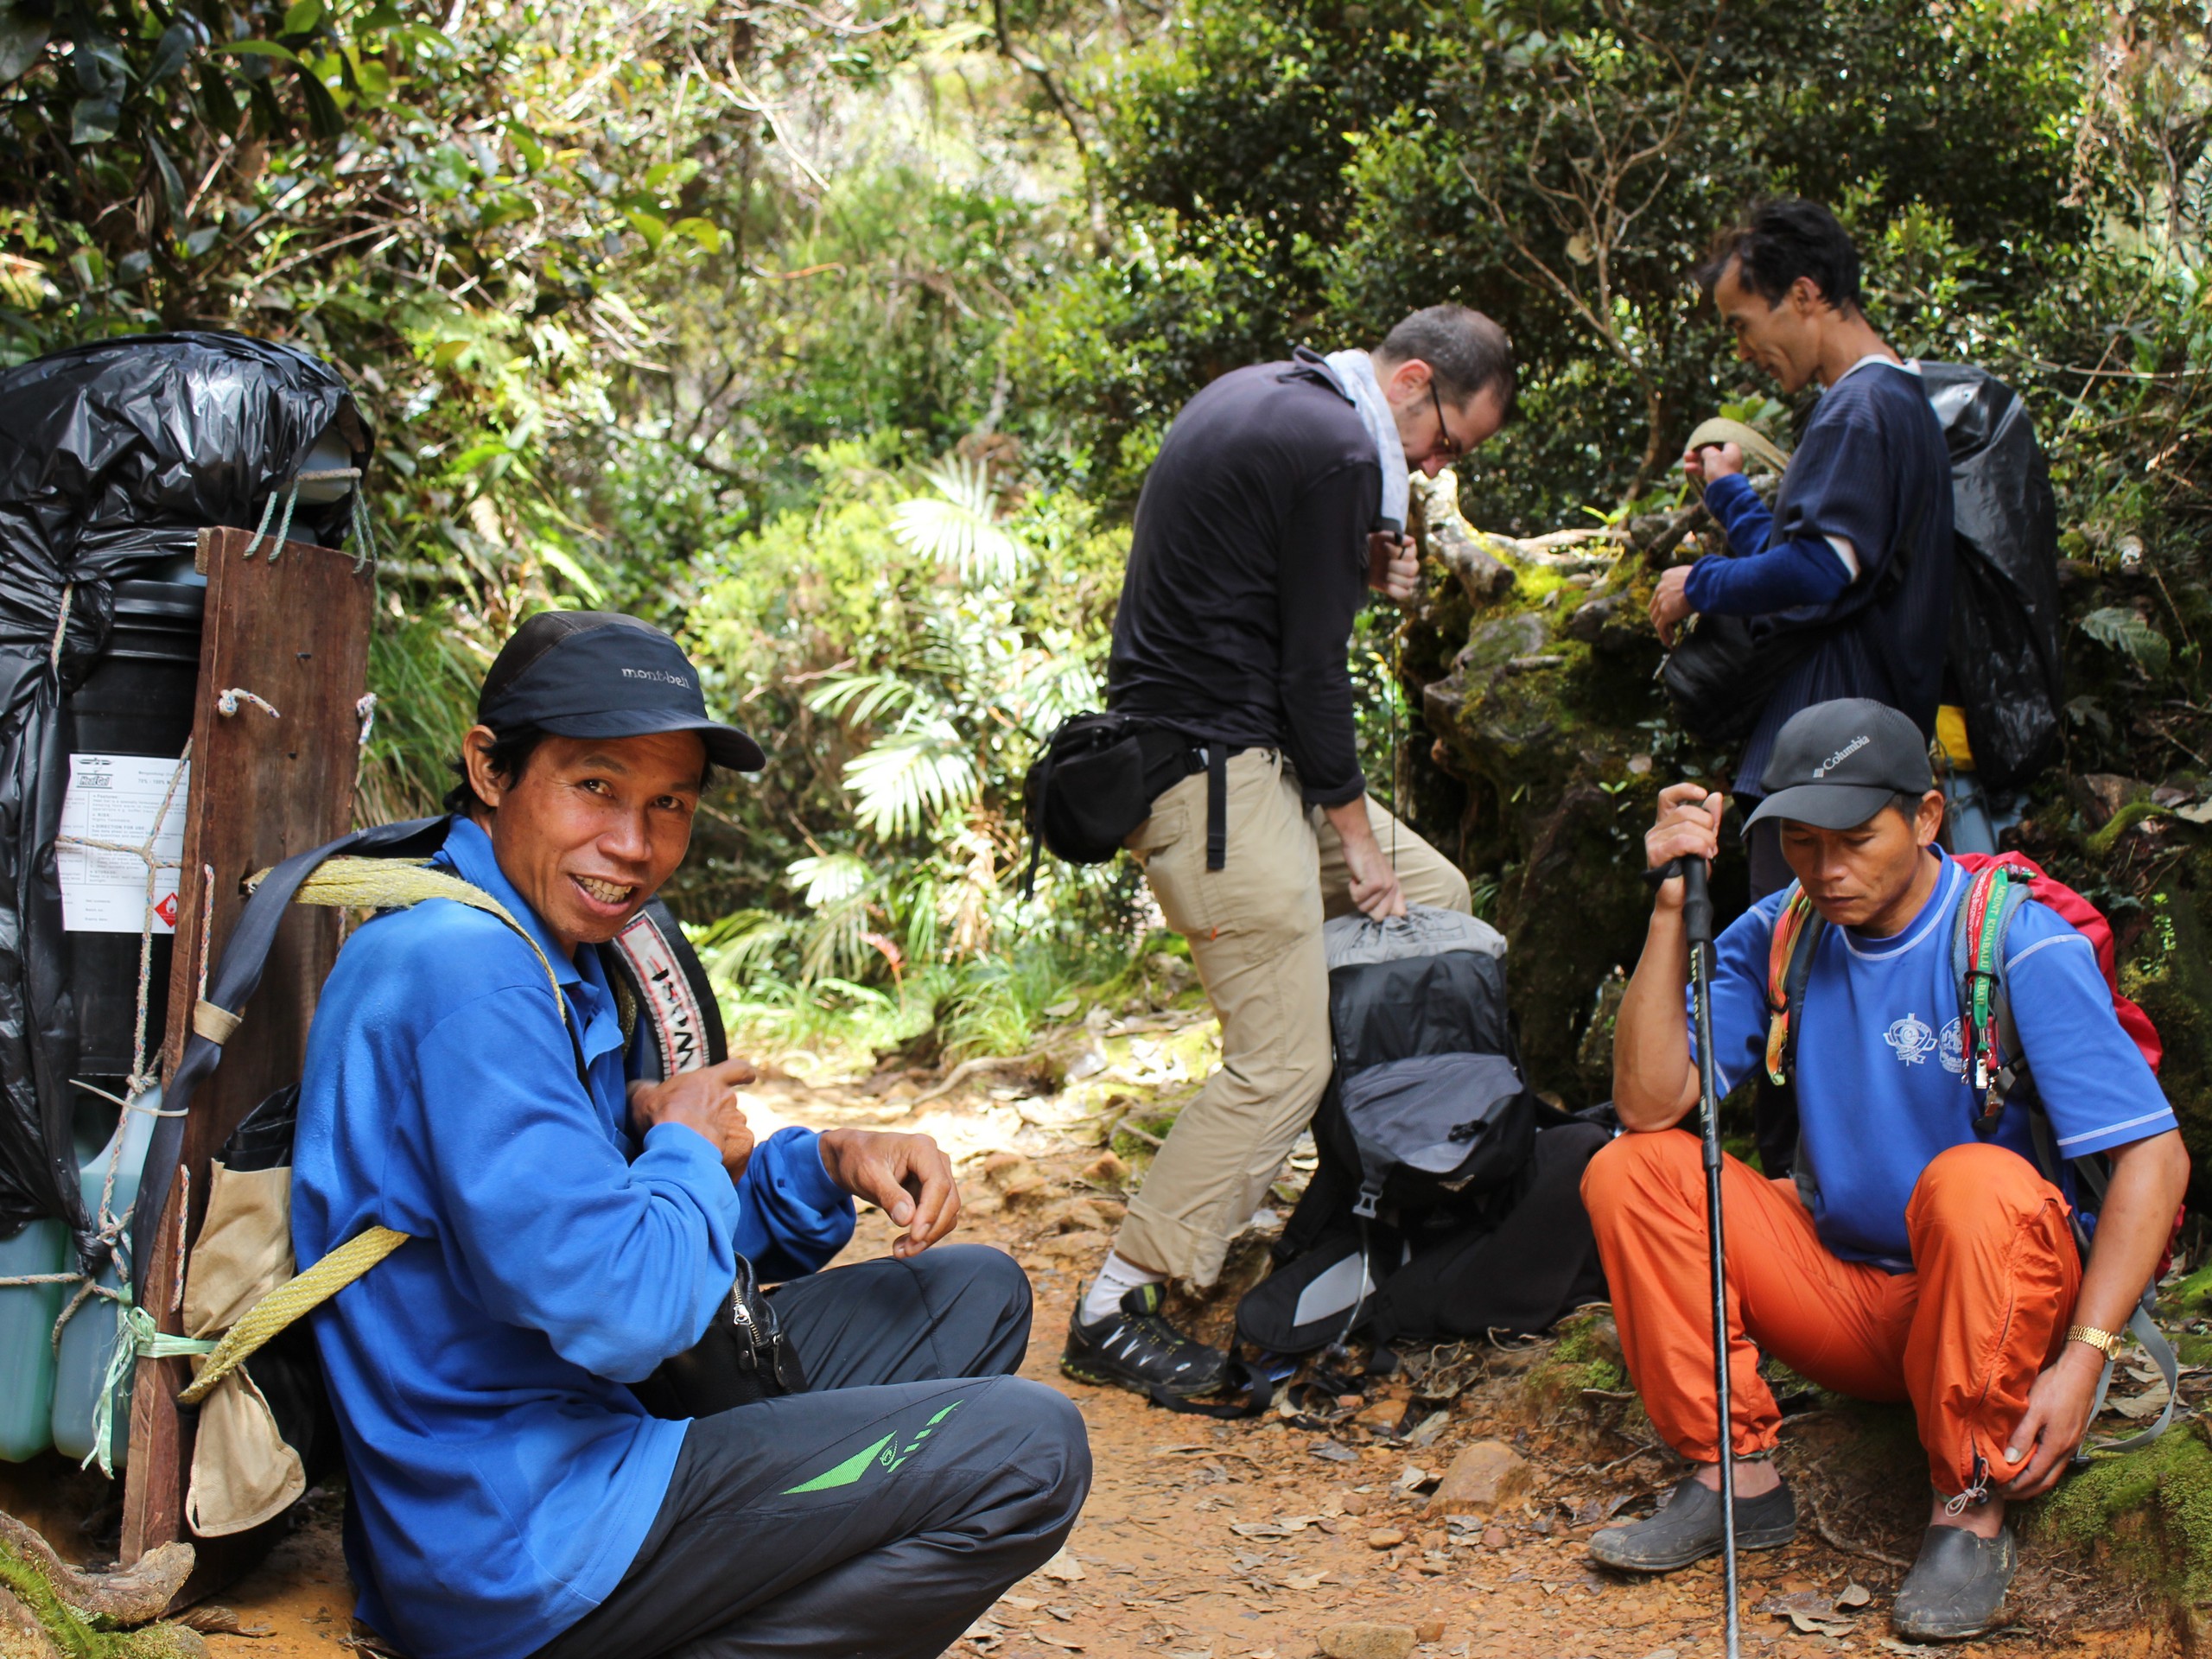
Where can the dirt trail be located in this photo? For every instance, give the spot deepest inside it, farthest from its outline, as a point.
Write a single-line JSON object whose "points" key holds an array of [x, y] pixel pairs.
{"points": [[1205, 1540]]}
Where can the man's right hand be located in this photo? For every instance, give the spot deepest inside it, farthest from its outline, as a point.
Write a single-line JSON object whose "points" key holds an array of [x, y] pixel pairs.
{"points": [[1689, 826], [704, 1102], [1714, 460], [1373, 882], [1393, 565]]}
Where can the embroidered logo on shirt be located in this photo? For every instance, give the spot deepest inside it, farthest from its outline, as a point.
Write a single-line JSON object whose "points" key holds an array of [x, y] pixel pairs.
{"points": [[1954, 1048], [1912, 1037]]}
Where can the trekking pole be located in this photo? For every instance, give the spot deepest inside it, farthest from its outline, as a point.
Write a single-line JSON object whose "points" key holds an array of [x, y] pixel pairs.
{"points": [[1392, 527], [1697, 923]]}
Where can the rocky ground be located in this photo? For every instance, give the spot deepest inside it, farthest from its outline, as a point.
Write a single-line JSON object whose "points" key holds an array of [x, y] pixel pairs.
{"points": [[1442, 1509]]}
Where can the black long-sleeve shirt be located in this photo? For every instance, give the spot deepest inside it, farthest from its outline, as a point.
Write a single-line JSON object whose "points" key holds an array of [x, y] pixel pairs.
{"points": [[1248, 564]]}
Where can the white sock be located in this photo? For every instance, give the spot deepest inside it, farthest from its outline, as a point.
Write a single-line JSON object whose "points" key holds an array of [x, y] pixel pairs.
{"points": [[1115, 1280]]}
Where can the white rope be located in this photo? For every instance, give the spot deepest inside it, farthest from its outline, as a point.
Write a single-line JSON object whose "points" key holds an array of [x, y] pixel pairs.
{"points": [[109, 1229], [267, 508], [60, 627], [226, 703], [313, 475]]}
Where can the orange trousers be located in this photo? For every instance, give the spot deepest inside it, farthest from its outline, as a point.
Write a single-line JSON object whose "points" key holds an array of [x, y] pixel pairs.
{"points": [[1962, 1337]]}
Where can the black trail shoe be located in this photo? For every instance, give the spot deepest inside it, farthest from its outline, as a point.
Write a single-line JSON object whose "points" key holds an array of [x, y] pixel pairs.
{"points": [[1688, 1529], [1138, 1350], [1956, 1587]]}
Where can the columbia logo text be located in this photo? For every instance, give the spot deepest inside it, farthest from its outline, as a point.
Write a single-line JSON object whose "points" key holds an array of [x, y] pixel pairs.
{"points": [[1840, 756]]}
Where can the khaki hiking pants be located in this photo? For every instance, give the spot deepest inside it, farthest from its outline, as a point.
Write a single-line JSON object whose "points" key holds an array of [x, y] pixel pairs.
{"points": [[1255, 932]]}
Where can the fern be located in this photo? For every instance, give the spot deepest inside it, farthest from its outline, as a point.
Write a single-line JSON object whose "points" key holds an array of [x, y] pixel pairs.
{"points": [[2124, 630]]}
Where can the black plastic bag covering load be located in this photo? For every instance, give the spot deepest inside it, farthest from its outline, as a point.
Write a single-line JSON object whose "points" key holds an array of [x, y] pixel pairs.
{"points": [[113, 457], [2004, 661]]}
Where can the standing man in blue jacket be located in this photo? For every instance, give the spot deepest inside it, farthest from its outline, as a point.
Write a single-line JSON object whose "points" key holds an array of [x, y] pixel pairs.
{"points": [[569, 1230], [1856, 556]]}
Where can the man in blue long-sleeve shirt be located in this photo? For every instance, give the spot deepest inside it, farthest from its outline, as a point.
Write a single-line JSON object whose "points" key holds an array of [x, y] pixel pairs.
{"points": [[569, 1230], [1856, 556]]}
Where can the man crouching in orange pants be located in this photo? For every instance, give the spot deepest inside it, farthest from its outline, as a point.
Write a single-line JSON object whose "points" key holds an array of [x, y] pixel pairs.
{"points": [[1910, 1259]]}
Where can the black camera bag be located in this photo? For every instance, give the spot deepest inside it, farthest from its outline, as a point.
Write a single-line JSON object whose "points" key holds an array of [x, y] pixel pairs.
{"points": [[1096, 783]]}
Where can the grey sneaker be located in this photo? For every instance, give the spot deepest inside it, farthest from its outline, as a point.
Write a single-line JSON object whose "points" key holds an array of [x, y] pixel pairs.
{"points": [[1957, 1585], [1688, 1529]]}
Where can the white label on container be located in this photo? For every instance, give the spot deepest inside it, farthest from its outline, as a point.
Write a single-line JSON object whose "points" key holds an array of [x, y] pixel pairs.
{"points": [[114, 799]]}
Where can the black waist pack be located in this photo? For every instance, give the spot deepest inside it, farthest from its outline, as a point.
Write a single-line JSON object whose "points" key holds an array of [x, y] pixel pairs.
{"points": [[1096, 783], [744, 1356]]}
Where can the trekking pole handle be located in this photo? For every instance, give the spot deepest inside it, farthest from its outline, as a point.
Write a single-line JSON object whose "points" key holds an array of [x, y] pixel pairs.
{"points": [[1697, 900]]}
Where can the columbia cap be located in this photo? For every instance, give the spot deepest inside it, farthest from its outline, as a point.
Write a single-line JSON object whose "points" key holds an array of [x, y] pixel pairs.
{"points": [[597, 674], [1835, 765]]}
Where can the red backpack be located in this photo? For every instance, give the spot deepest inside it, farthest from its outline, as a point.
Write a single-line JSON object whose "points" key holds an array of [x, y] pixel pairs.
{"points": [[2001, 884]]}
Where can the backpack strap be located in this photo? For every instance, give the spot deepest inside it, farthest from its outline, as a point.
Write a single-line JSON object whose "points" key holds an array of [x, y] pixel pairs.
{"points": [[1797, 931], [1995, 1059], [2001, 1070], [2144, 1330], [229, 987]]}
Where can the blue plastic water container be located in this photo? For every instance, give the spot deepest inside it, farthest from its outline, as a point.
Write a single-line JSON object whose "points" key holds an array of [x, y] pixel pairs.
{"points": [[80, 1371], [27, 1316]]}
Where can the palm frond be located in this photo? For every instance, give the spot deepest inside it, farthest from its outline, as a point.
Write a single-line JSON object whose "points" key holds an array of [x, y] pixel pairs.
{"points": [[957, 527], [861, 697], [911, 776], [829, 880]]}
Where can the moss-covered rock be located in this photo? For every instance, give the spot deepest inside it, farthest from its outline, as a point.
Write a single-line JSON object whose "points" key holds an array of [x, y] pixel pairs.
{"points": [[48, 1609], [1547, 714], [2145, 1514]]}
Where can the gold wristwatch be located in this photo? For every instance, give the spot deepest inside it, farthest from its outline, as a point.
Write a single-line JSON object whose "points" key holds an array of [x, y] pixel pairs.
{"points": [[2103, 1341]]}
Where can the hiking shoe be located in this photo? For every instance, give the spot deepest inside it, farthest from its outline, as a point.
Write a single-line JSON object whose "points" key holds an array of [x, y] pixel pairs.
{"points": [[1136, 1349], [1956, 1586], [1688, 1529]]}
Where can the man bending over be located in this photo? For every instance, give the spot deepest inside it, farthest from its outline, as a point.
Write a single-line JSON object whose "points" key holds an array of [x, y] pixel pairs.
{"points": [[569, 1232], [1910, 1259], [1279, 495]]}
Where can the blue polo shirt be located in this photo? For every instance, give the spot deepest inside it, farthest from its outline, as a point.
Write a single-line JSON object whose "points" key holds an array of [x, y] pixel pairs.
{"points": [[501, 1476], [1881, 1073]]}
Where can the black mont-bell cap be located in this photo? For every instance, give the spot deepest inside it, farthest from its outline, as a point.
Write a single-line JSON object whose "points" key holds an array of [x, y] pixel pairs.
{"points": [[599, 674], [1835, 765]]}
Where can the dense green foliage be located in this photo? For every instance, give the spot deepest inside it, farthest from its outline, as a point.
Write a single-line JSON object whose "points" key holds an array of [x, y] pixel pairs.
{"points": [[837, 339]]}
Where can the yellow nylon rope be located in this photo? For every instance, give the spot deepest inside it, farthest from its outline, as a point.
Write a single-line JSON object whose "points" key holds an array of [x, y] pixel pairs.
{"points": [[352, 883], [295, 1296]]}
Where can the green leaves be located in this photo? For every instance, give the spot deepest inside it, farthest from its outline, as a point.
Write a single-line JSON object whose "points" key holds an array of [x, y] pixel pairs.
{"points": [[274, 50], [2125, 632], [25, 32], [93, 120]]}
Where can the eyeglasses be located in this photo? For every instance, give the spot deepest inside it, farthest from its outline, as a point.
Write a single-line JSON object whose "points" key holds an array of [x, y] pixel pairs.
{"points": [[1445, 440]]}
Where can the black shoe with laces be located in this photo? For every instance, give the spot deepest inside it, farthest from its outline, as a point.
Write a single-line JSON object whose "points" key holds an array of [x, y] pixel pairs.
{"points": [[1135, 1348]]}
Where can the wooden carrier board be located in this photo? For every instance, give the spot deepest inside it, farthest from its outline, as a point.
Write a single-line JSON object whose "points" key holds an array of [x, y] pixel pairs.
{"points": [[290, 626]]}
